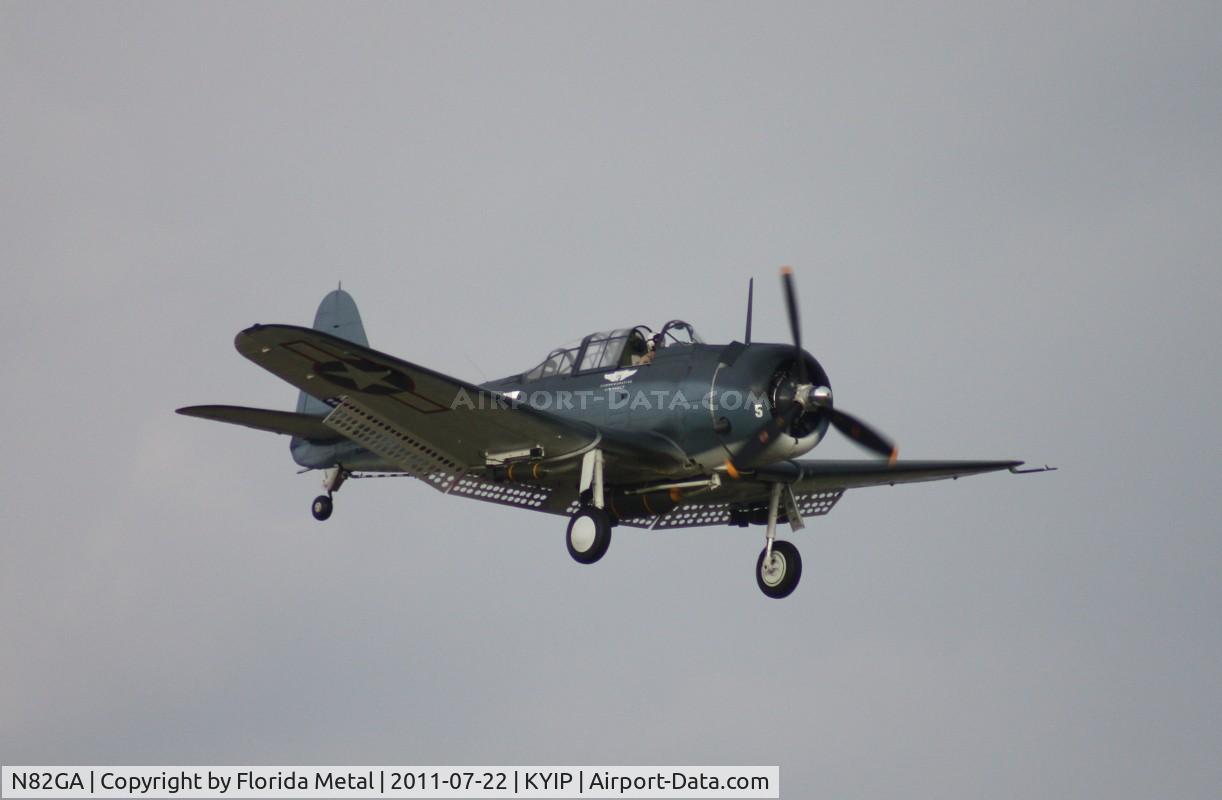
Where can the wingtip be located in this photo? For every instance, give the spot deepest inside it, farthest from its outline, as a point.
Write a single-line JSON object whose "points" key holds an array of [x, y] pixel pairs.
{"points": [[1014, 468]]}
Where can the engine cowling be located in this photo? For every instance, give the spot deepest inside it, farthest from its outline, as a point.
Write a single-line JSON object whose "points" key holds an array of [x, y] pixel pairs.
{"points": [[809, 427], [760, 384]]}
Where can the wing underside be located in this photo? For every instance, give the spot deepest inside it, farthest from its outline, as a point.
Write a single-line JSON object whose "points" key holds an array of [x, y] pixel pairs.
{"points": [[814, 474], [816, 486]]}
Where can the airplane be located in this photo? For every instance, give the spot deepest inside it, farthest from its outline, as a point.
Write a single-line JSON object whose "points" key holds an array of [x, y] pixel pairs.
{"points": [[627, 427]]}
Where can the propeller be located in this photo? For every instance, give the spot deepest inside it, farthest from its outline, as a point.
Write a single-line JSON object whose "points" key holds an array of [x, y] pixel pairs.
{"points": [[806, 397], [863, 434]]}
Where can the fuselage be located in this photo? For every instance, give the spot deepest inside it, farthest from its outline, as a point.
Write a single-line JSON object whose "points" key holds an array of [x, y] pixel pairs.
{"points": [[706, 399]]}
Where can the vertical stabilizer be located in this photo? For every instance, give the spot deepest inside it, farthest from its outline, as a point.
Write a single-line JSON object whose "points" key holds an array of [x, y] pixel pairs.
{"points": [[337, 315]]}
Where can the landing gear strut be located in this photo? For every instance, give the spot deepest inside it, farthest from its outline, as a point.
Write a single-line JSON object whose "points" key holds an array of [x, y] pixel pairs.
{"points": [[322, 506], [589, 533], [779, 567]]}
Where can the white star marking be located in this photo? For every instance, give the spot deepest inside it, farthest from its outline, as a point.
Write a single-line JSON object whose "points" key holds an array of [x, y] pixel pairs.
{"points": [[361, 378]]}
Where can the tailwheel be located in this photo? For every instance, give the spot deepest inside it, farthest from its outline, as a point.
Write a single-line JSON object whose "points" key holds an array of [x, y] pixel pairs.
{"points": [[779, 576], [589, 535], [321, 508]]}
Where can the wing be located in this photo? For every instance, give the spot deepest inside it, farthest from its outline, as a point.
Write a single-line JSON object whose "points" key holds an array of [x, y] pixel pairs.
{"points": [[816, 485], [431, 425], [814, 475]]}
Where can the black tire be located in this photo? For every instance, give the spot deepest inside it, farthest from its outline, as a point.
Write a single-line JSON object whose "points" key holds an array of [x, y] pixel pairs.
{"points": [[321, 508], [591, 543], [786, 556]]}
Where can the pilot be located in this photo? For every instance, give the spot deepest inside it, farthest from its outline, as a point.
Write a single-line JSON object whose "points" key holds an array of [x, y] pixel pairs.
{"points": [[655, 343], [637, 350]]}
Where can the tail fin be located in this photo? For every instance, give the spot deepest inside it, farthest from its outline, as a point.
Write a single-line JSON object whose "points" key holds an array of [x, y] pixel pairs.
{"points": [[337, 315]]}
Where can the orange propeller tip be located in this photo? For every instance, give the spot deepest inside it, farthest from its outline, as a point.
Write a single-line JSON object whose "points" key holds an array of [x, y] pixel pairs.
{"points": [[895, 454], [786, 270], [731, 471]]}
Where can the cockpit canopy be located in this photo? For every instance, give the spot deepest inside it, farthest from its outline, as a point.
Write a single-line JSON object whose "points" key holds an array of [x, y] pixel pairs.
{"points": [[622, 347]]}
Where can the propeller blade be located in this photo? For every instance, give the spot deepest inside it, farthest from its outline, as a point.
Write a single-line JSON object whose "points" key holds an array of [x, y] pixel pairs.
{"points": [[791, 305], [863, 434]]}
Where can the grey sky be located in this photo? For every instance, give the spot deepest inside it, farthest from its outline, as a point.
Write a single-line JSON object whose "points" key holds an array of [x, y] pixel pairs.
{"points": [[1005, 227]]}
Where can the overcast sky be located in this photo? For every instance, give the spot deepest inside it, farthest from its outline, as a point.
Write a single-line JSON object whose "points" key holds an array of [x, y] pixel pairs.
{"points": [[1005, 227]]}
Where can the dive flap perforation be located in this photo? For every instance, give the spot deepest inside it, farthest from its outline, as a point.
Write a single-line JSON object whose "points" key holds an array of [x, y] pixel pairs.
{"points": [[377, 434]]}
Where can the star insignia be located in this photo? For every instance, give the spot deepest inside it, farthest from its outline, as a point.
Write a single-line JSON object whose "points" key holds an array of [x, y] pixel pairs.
{"points": [[364, 376]]}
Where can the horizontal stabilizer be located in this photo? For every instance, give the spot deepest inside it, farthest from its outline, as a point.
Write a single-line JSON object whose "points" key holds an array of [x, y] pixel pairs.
{"points": [[306, 426]]}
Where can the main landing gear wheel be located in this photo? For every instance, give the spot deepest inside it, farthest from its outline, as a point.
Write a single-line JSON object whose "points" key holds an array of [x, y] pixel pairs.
{"points": [[321, 508], [589, 535], [779, 577]]}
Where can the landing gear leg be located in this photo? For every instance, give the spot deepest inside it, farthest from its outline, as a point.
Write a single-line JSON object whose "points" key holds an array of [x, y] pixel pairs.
{"points": [[779, 566], [322, 506], [589, 533]]}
